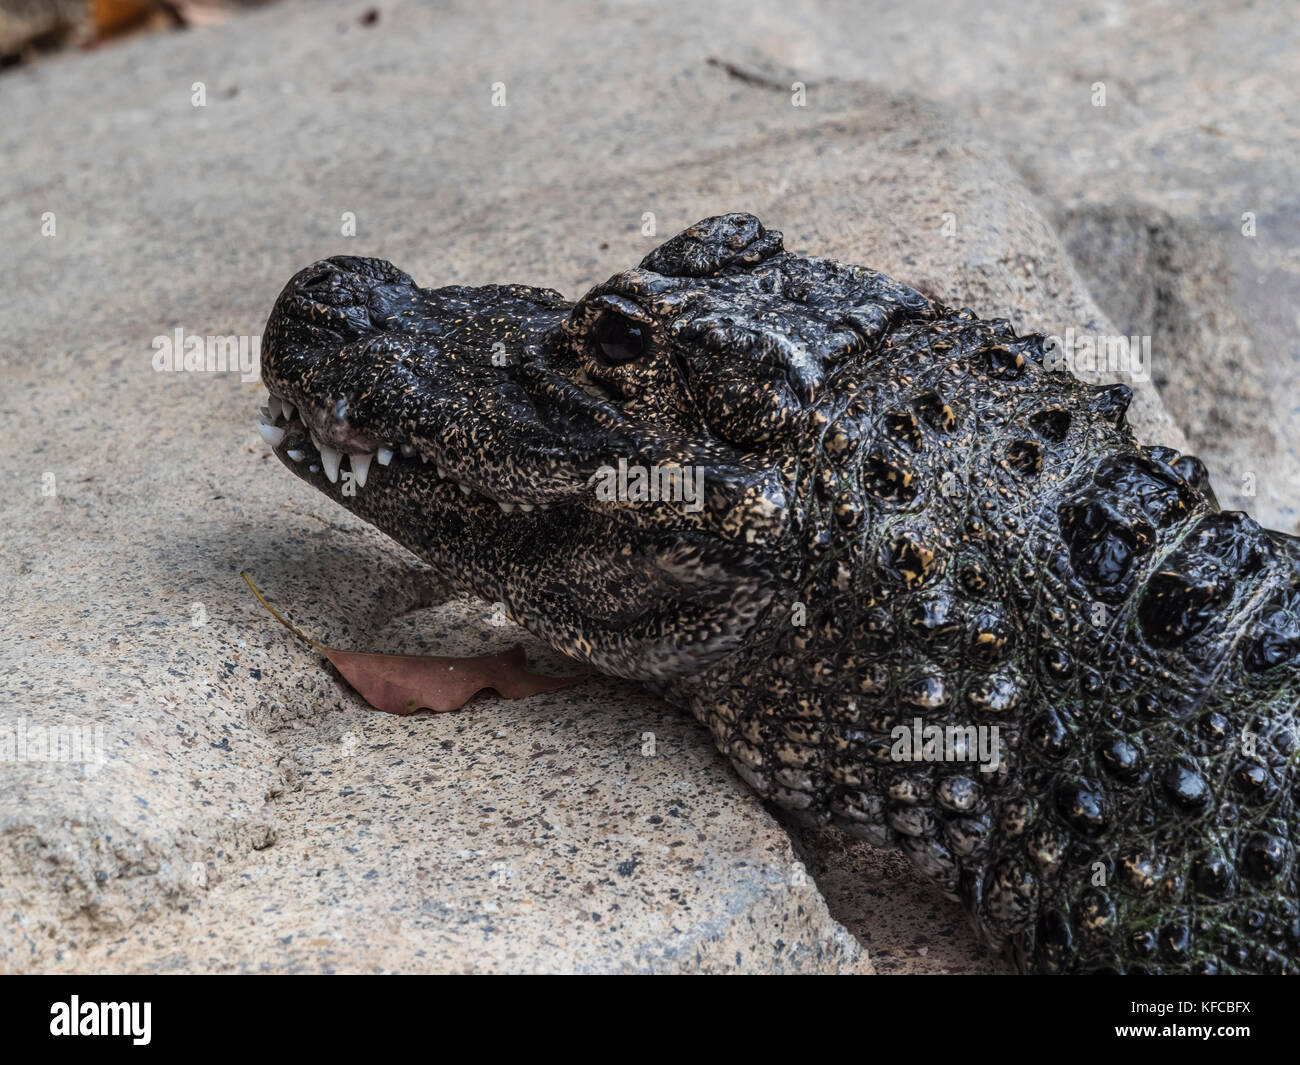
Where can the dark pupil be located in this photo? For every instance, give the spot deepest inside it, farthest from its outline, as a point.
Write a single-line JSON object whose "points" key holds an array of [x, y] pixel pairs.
{"points": [[620, 340]]}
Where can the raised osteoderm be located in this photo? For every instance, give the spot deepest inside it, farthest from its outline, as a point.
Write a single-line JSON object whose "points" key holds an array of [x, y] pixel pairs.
{"points": [[909, 517]]}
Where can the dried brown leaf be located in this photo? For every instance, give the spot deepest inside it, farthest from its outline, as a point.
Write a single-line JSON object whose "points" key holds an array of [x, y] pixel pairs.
{"points": [[403, 684]]}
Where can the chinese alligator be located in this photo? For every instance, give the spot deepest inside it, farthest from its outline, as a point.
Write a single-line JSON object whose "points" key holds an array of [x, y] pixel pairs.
{"points": [[911, 517]]}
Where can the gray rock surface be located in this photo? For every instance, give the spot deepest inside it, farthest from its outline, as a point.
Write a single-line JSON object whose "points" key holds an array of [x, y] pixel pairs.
{"points": [[249, 812]]}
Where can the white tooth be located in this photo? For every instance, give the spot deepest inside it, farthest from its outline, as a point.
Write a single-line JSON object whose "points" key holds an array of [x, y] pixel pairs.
{"points": [[361, 467], [271, 434], [314, 468], [464, 489], [273, 406], [296, 455], [408, 450], [384, 455], [265, 414], [330, 459], [288, 409], [527, 508], [506, 508]]}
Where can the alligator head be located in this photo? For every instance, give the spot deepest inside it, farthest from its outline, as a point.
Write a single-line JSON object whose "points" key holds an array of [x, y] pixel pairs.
{"points": [[820, 509], [618, 473]]}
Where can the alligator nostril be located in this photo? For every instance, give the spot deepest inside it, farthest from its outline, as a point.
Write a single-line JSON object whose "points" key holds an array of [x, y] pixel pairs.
{"points": [[326, 279]]}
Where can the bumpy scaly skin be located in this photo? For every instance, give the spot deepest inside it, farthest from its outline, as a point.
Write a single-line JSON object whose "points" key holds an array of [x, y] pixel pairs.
{"points": [[909, 513]]}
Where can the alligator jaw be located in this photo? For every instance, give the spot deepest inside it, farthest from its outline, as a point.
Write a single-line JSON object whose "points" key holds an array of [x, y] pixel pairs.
{"points": [[673, 607], [456, 421], [356, 460]]}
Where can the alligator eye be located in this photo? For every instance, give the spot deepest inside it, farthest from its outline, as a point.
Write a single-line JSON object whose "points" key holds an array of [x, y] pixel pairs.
{"points": [[620, 339]]}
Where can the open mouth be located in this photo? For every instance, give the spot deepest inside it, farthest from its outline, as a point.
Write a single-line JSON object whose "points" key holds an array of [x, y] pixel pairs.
{"points": [[296, 434]]}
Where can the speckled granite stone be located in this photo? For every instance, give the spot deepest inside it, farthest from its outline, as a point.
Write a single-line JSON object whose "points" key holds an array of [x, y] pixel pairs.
{"points": [[249, 813]]}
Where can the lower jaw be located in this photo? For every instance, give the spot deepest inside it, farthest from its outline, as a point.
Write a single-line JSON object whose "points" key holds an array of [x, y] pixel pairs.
{"points": [[355, 474]]}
